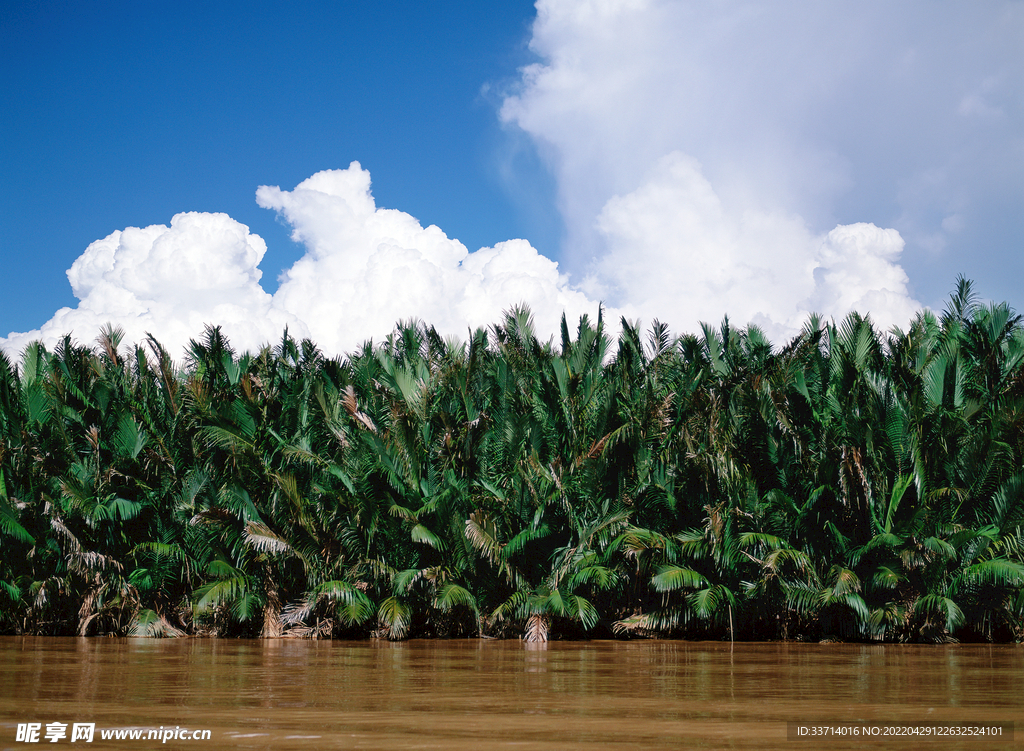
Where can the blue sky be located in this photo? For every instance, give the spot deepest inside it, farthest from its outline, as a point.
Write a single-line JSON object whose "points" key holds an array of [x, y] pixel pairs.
{"points": [[677, 160], [124, 114]]}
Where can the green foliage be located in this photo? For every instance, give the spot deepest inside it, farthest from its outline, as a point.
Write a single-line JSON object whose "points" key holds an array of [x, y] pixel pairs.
{"points": [[849, 484]]}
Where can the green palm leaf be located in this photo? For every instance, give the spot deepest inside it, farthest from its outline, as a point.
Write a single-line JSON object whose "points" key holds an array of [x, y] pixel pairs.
{"points": [[420, 533], [352, 605], [451, 596], [395, 616], [673, 578], [940, 610]]}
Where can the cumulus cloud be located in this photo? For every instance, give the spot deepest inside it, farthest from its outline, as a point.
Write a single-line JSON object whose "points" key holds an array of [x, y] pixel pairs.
{"points": [[758, 159], [676, 251], [368, 267], [167, 280], [365, 268], [733, 143]]}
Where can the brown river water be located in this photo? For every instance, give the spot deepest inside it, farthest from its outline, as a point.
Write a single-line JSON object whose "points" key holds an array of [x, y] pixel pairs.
{"points": [[475, 695]]}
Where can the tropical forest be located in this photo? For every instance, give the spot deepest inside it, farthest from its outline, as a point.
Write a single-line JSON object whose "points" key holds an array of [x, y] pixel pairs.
{"points": [[850, 484]]}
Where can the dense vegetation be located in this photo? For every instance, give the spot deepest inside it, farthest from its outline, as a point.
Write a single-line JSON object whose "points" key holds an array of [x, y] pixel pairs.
{"points": [[853, 484]]}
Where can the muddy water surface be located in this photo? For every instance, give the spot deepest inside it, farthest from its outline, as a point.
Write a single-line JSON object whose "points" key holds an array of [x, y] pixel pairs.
{"points": [[477, 695]]}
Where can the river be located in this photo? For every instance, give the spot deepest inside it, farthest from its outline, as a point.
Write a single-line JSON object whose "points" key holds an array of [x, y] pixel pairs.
{"points": [[475, 695]]}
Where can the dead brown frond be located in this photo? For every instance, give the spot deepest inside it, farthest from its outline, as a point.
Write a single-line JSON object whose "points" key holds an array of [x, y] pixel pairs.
{"points": [[352, 407], [537, 627]]}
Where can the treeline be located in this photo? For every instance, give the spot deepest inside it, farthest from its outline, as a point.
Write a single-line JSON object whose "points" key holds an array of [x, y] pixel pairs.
{"points": [[853, 484]]}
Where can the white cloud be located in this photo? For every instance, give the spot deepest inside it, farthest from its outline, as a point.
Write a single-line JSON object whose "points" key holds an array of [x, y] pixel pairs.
{"points": [[364, 269], [169, 281], [717, 145], [856, 271], [367, 268], [737, 157], [677, 252]]}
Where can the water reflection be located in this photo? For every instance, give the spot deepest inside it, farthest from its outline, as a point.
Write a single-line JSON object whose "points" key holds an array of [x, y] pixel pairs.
{"points": [[488, 694]]}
